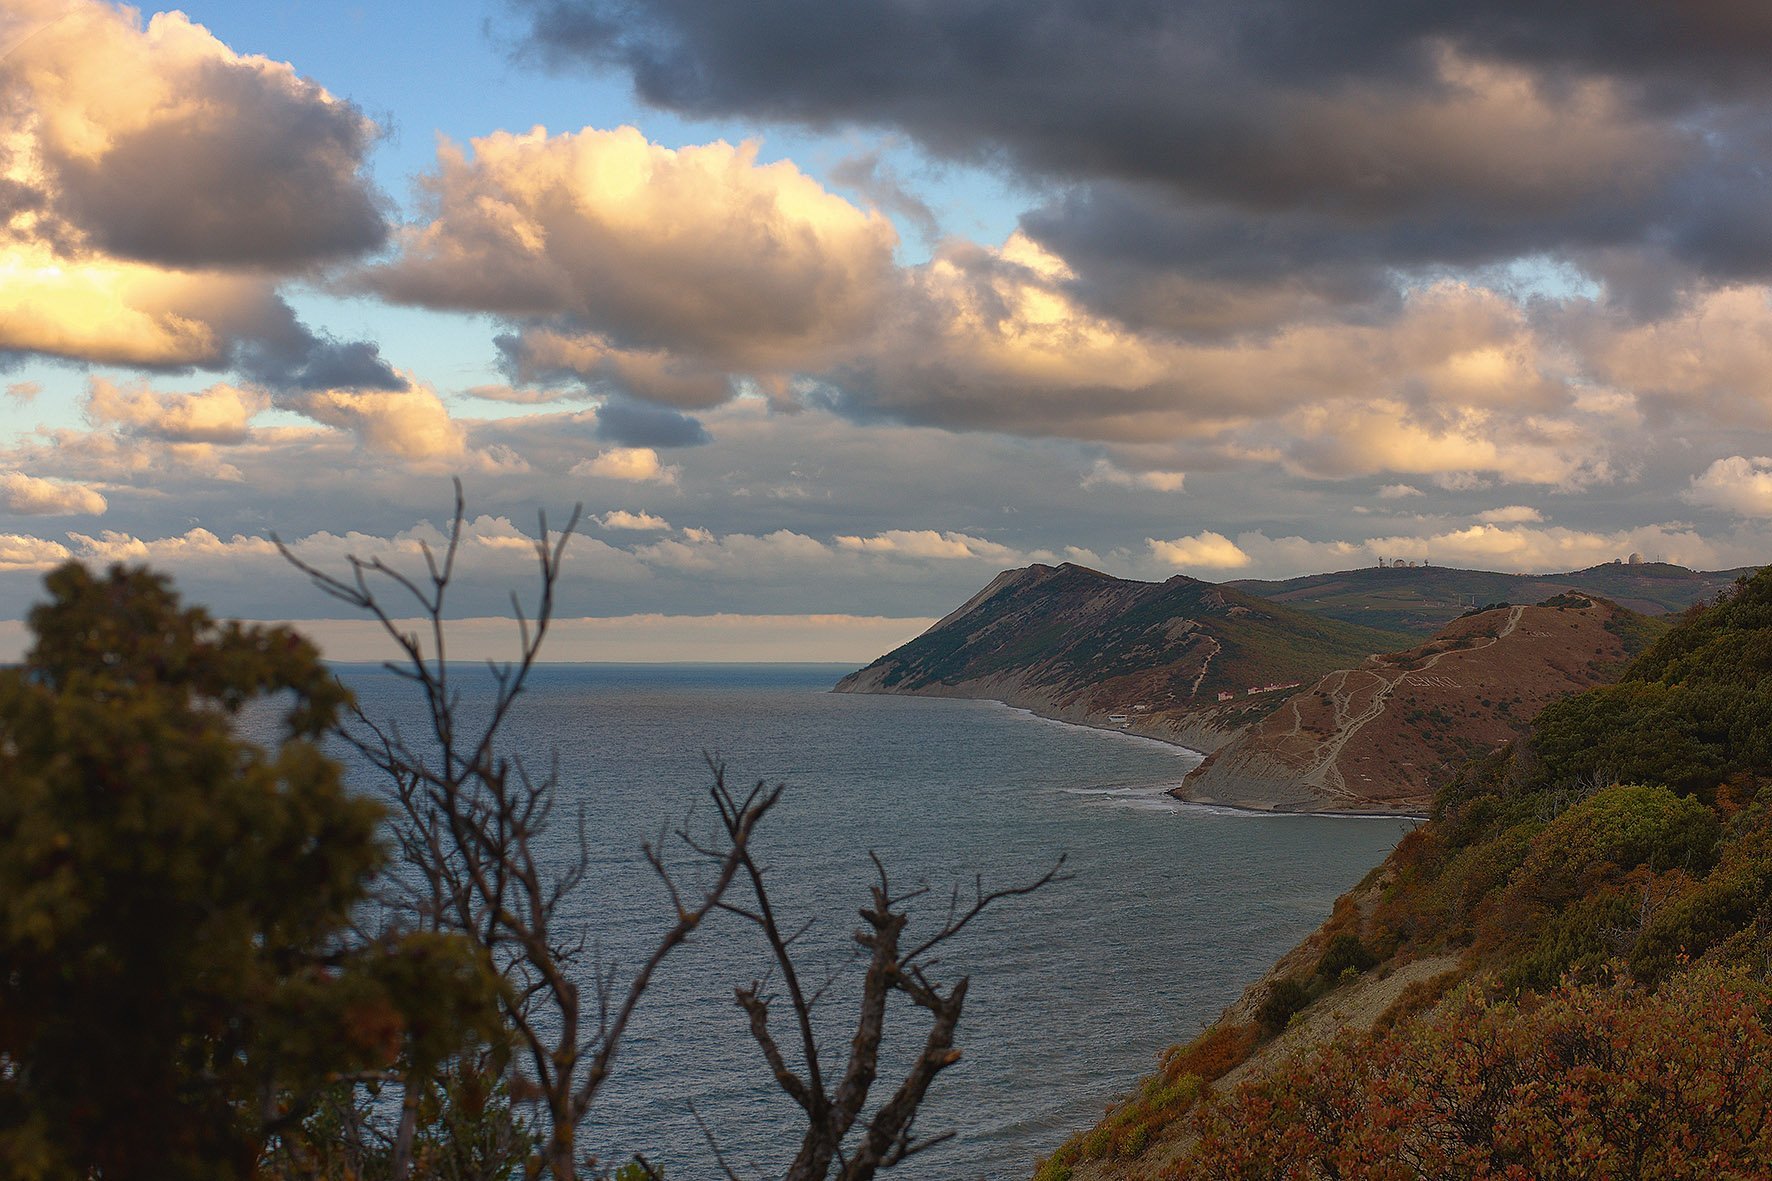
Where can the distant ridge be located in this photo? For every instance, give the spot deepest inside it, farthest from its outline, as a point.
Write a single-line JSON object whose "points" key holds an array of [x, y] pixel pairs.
{"points": [[1426, 598], [1299, 710], [1074, 643]]}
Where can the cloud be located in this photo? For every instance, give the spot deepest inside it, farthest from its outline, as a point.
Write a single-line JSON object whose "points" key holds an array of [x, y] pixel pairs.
{"points": [[642, 638], [1204, 550], [868, 174], [1710, 358], [23, 392], [29, 496], [155, 186], [1736, 484], [1462, 482], [626, 463], [24, 553], [412, 423], [1104, 472], [928, 543], [161, 145], [1567, 123], [610, 252], [737, 555], [1523, 547], [522, 396], [1510, 515], [641, 521], [1397, 491], [636, 424], [219, 414]]}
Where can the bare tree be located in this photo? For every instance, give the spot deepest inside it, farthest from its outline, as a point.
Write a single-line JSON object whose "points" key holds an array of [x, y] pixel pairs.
{"points": [[836, 1107], [469, 822]]}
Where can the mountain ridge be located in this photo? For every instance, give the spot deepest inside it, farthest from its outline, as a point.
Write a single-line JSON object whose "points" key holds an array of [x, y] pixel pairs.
{"points": [[1076, 644]]}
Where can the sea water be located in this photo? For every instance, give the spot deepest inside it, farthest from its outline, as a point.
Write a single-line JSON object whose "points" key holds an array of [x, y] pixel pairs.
{"points": [[1169, 911]]}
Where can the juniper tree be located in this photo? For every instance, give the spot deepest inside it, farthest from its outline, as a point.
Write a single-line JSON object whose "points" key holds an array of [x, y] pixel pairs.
{"points": [[179, 979]]}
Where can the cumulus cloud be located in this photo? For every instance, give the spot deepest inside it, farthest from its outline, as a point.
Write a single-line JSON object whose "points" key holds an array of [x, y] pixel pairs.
{"points": [[29, 496], [23, 392], [1735, 484], [1512, 514], [1710, 357], [641, 521], [22, 552], [1472, 129], [927, 543], [158, 184], [162, 145], [411, 423], [613, 252], [219, 414], [998, 340], [638, 464], [1205, 550], [1397, 491], [1467, 225]]}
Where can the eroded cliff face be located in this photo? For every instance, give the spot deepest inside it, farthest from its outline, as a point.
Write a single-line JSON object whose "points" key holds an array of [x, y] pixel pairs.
{"points": [[1152, 658], [1385, 734]]}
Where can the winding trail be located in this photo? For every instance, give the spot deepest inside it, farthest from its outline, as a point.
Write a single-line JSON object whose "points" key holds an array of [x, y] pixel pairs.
{"points": [[1346, 726]]}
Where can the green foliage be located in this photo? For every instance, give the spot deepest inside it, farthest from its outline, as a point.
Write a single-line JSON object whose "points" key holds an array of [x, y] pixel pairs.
{"points": [[1615, 830], [177, 978], [1286, 996], [1344, 953], [466, 1131], [1627, 838]]}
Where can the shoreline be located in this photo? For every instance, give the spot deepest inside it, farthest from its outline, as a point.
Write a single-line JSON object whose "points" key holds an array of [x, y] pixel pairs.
{"points": [[1277, 807]]}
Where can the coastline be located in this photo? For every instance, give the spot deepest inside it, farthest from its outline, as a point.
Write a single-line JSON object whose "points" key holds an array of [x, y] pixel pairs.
{"points": [[1269, 799]]}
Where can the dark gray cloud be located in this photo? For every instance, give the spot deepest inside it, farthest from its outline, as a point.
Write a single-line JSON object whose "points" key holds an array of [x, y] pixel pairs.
{"points": [[636, 424], [281, 352], [1325, 145], [256, 171], [540, 355]]}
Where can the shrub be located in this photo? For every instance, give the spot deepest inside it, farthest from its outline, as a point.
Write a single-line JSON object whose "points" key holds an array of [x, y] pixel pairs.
{"points": [[1344, 952], [1285, 997], [1592, 1081]]}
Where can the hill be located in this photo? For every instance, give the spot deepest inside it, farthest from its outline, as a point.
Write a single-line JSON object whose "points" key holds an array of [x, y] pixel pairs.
{"points": [[1386, 734], [1563, 973], [1426, 598], [1077, 644]]}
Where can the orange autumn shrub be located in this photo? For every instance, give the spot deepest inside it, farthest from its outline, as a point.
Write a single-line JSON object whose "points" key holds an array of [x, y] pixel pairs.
{"points": [[1593, 1082]]}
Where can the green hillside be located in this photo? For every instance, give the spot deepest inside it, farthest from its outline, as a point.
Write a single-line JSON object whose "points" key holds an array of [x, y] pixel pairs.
{"points": [[1081, 634], [1425, 598], [1593, 910]]}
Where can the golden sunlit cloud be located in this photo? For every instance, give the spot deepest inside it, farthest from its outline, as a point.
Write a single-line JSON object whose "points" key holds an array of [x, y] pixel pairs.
{"points": [[29, 496], [1206, 550], [728, 263], [626, 463]]}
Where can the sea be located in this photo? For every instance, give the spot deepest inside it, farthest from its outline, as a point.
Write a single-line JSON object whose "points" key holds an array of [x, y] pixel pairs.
{"points": [[1166, 913]]}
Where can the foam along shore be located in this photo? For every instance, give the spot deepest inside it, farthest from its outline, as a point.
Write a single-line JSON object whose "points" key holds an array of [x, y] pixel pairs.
{"points": [[1275, 797]]}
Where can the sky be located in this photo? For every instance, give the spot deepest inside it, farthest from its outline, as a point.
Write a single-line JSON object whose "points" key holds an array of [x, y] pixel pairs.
{"points": [[825, 313]]}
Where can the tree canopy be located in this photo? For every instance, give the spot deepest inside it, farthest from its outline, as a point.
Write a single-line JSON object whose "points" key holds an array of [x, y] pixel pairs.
{"points": [[179, 976]]}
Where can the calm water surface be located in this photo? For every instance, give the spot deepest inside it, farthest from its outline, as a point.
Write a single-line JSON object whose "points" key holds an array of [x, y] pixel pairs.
{"points": [[1171, 911]]}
